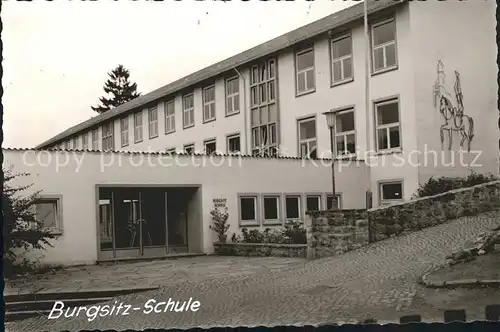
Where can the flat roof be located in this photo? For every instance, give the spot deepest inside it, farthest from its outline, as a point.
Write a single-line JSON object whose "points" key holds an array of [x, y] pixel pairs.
{"points": [[289, 39]]}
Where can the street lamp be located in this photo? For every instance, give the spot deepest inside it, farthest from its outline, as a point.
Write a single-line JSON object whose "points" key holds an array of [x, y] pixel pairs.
{"points": [[330, 121]]}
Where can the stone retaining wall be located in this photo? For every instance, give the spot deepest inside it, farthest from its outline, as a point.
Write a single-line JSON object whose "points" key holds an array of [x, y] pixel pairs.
{"points": [[331, 233], [261, 249], [430, 211]]}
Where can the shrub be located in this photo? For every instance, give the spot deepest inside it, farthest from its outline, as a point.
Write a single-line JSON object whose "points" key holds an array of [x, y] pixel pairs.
{"points": [[295, 232], [22, 231], [443, 184], [220, 225]]}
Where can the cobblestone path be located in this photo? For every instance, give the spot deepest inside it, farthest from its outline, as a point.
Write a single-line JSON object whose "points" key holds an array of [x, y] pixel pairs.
{"points": [[375, 281]]}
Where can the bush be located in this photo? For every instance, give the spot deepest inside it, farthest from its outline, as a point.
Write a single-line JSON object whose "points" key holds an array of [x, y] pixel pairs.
{"points": [[22, 231], [443, 184], [220, 225], [292, 233]]}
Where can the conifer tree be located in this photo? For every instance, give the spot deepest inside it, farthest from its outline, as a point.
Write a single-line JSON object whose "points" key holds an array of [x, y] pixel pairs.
{"points": [[120, 89]]}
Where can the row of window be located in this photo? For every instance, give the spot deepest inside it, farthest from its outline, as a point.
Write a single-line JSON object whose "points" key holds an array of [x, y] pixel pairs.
{"points": [[387, 130], [383, 51], [275, 209], [210, 146]]}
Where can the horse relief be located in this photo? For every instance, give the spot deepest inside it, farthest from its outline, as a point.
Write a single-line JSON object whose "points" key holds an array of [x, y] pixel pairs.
{"points": [[455, 121]]}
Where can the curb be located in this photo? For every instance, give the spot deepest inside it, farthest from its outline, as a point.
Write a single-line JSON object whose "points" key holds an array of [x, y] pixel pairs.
{"points": [[458, 283]]}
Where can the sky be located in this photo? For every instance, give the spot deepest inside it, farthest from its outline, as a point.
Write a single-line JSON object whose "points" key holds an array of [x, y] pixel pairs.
{"points": [[57, 54]]}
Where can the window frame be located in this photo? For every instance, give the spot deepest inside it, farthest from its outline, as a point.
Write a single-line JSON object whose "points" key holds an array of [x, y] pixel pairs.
{"points": [[170, 150], [304, 71], [189, 145], [228, 138], [169, 116], [373, 26], [152, 122], [307, 141], [124, 132], [279, 199], [95, 139], [57, 200], [383, 201], [333, 60], [300, 204], [338, 133], [85, 141], [210, 141], [138, 127], [318, 196], [387, 127], [255, 222], [231, 97], [108, 135], [339, 200], [74, 143], [186, 110]]}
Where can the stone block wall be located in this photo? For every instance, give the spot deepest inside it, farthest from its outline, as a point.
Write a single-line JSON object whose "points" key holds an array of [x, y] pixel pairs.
{"points": [[261, 249], [429, 211], [331, 233]]}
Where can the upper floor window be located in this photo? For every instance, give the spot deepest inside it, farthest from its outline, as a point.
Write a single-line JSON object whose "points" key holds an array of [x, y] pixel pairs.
{"points": [[342, 59], [232, 96], [188, 111], [153, 122], [345, 135], [307, 138], [138, 127], [384, 52], [169, 117], [124, 131], [75, 143], [95, 139], [67, 145], [387, 125], [189, 148], [85, 142], [304, 61], [107, 136], [233, 144], [209, 103]]}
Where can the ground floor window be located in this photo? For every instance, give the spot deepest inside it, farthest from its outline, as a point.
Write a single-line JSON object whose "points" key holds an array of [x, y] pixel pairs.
{"points": [[329, 201], [271, 204], [313, 202], [48, 212], [292, 207], [248, 210], [391, 192]]}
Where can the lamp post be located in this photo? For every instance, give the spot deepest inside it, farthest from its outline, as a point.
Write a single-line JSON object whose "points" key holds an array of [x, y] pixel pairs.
{"points": [[330, 121]]}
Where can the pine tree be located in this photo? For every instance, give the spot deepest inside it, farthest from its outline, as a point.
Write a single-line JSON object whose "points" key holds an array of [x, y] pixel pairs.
{"points": [[120, 89]]}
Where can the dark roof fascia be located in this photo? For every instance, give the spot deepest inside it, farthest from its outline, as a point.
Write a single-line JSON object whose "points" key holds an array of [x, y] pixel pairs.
{"points": [[275, 45]]}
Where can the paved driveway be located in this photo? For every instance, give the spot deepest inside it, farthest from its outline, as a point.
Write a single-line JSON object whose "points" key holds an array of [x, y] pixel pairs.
{"points": [[378, 281]]}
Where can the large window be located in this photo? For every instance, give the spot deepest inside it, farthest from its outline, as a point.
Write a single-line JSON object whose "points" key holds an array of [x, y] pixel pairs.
{"points": [[210, 146], [271, 207], [188, 111], [124, 131], [345, 135], [95, 139], [329, 201], [209, 103], [264, 114], [313, 202], [169, 117], [387, 125], [384, 51], [107, 136], [153, 122], [138, 127], [307, 138], [48, 212], [232, 96], [304, 61], [292, 207], [248, 210], [233, 144], [391, 192], [342, 59], [85, 141]]}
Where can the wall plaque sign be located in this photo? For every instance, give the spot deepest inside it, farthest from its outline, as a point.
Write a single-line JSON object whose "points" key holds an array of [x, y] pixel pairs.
{"points": [[220, 202]]}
